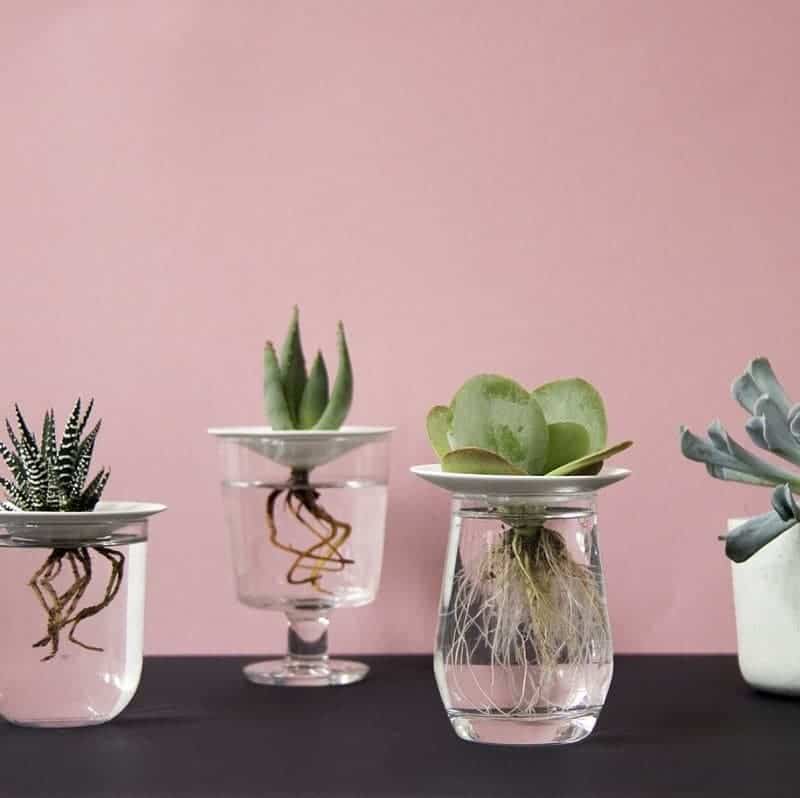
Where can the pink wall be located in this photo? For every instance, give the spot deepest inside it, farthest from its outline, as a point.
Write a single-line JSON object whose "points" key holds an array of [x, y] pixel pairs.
{"points": [[543, 189]]}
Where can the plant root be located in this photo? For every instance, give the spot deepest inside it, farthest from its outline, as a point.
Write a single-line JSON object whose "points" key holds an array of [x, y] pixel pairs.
{"points": [[529, 611], [62, 608], [325, 554]]}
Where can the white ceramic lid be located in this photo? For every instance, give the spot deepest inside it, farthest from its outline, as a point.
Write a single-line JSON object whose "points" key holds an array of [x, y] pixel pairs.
{"points": [[497, 485], [106, 517], [301, 448]]}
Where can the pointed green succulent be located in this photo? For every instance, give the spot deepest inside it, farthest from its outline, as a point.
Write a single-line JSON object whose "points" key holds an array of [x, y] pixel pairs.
{"points": [[47, 475], [774, 425], [294, 399], [494, 426]]}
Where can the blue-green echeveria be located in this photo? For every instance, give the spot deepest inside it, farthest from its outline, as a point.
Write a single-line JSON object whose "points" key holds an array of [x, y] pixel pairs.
{"points": [[774, 426]]}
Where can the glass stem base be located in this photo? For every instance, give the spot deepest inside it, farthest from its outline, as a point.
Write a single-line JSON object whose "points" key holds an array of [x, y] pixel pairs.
{"points": [[554, 729], [289, 672], [307, 663]]}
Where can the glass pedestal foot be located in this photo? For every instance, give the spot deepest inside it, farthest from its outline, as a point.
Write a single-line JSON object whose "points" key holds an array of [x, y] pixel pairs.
{"points": [[307, 664], [290, 672]]}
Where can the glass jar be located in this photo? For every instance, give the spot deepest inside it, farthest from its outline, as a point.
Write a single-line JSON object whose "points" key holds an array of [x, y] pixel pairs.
{"points": [[306, 513], [523, 650], [72, 620]]}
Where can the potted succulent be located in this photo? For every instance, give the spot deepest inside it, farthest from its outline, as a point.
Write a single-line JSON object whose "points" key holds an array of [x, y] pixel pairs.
{"points": [[764, 550], [523, 652], [72, 652], [305, 505]]}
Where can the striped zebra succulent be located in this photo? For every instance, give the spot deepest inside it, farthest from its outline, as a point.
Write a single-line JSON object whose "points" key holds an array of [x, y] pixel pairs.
{"points": [[51, 476]]}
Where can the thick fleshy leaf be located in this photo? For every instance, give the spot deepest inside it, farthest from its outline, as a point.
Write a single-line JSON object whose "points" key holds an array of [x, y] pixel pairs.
{"points": [[784, 503], [437, 425], [578, 401], [744, 460], [293, 367], [745, 391], [584, 463], [793, 420], [497, 414], [721, 454], [473, 460], [751, 536], [342, 393], [315, 394], [764, 377], [732, 475], [769, 429], [276, 408], [744, 541], [568, 441]]}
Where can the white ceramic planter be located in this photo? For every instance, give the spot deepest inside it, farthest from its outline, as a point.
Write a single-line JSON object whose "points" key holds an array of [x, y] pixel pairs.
{"points": [[766, 593]]}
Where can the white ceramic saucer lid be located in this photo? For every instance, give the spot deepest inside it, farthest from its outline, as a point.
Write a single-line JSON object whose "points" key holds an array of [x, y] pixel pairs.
{"points": [[301, 448], [107, 517], [497, 485]]}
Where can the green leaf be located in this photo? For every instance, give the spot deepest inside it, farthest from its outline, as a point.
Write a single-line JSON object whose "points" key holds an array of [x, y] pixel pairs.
{"points": [[14, 463], [473, 460], [584, 463], [342, 393], [293, 367], [568, 441], [85, 419], [437, 424], [496, 414], [275, 406], [68, 448], [577, 401], [315, 395], [91, 495], [26, 436]]}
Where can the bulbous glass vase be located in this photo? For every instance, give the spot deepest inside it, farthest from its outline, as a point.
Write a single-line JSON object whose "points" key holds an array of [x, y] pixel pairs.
{"points": [[306, 513], [523, 649]]}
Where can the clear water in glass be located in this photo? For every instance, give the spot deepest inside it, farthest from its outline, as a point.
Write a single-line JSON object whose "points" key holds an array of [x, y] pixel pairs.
{"points": [[270, 571], [523, 652], [77, 686]]}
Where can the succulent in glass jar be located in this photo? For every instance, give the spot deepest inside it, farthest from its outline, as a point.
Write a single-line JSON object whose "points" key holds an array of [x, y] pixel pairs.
{"points": [[48, 475], [297, 399], [526, 596]]}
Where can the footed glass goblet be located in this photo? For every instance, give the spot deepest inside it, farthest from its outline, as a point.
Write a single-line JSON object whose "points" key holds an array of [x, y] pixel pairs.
{"points": [[306, 513]]}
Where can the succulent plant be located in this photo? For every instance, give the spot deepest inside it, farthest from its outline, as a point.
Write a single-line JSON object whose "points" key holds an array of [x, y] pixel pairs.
{"points": [[294, 399], [494, 426], [51, 476], [774, 426], [46, 475], [527, 595]]}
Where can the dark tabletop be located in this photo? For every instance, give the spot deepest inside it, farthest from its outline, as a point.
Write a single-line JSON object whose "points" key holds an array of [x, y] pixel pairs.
{"points": [[671, 726]]}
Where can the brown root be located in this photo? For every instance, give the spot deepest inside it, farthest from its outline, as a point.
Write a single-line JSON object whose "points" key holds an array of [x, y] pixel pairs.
{"points": [[325, 554], [62, 608]]}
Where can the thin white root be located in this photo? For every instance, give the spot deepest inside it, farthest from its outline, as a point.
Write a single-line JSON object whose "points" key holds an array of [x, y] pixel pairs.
{"points": [[536, 617]]}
